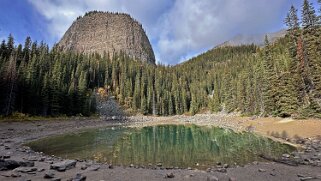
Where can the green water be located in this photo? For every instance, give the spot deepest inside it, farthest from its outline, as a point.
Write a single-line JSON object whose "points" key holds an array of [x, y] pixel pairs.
{"points": [[172, 145]]}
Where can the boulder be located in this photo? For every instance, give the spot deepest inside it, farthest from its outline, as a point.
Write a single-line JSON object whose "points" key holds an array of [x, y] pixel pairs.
{"points": [[25, 169], [64, 165], [8, 165]]}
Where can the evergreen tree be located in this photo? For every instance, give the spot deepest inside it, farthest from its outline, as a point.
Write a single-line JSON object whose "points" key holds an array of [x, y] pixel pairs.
{"points": [[9, 86], [292, 20], [309, 18]]}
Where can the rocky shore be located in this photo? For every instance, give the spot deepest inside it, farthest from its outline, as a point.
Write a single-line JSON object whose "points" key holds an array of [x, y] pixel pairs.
{"points": [[18, 162]]}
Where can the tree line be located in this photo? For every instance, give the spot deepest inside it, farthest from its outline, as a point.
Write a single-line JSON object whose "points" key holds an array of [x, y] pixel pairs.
{"points": [[279, 79]]}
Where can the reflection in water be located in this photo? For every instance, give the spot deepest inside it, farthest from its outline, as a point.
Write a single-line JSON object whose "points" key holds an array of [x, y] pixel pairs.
{"points": [[171, 145]]}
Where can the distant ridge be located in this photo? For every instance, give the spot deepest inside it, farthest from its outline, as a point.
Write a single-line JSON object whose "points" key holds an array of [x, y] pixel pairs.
{"points": [[257, 39]]}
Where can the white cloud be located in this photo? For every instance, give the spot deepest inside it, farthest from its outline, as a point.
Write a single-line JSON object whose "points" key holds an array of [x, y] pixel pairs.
{"points": [[178, 27], [197, 25]]}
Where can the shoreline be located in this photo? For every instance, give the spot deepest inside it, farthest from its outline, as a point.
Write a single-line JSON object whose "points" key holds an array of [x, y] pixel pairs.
{"points": [[14, 134]]}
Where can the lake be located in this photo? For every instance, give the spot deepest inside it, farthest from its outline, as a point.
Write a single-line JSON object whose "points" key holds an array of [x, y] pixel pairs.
{"points": [[171, 145]]}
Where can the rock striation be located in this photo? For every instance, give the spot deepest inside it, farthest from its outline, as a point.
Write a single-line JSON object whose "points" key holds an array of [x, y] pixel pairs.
{"points": [[105, 32]]}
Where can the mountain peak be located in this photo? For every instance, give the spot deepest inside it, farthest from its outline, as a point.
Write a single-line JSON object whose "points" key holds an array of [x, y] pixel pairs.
{"points": [[106, 32]]}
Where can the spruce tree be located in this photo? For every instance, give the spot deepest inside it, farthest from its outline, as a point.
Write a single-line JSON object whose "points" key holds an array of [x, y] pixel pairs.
{"points": [[309, 18], [9, 86], [292, 20]]}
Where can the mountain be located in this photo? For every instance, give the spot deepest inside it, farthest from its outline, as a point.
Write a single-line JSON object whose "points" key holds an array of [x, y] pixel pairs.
{"points": [[257, 39], [108, 32]]}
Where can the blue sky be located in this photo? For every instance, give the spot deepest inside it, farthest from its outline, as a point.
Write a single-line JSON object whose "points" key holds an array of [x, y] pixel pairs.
{"points": [[177, 29]]}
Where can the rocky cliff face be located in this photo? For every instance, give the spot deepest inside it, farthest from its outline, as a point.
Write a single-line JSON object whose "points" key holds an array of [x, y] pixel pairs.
{"points": [[108, 32]]}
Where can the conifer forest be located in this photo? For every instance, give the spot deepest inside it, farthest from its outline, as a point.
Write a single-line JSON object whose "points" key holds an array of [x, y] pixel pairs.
{"points": [[283, 78]]}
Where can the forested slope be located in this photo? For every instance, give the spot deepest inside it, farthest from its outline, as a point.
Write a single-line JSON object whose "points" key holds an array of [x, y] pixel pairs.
{"points": [[281, 79]]}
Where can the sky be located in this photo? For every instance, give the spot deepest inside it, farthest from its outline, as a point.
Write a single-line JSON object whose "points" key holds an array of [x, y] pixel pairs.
{"points": [[177, 29]]}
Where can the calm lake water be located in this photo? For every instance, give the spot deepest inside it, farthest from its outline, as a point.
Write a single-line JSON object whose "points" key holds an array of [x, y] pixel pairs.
{"points": [[172, 145]]}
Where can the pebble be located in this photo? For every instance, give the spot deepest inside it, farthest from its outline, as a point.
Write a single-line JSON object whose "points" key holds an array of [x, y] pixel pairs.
{"points": [[286, 155], [83, 167], [222, 170], [262, 170], [49, 175], [189, 176], [169, 175], [232, 179], [306, 178], [56, 179], [5, 175], [15, 174], [25, 169], [33, 158], [5, 156], [94, 168], [110, 166], [79, 177], [212, 178], [27, 163], [41, 169], [42, 159], [64, 165]]}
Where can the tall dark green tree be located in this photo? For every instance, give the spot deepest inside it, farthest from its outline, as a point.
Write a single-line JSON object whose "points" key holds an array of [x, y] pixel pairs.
{"points": [[309, 18]]}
